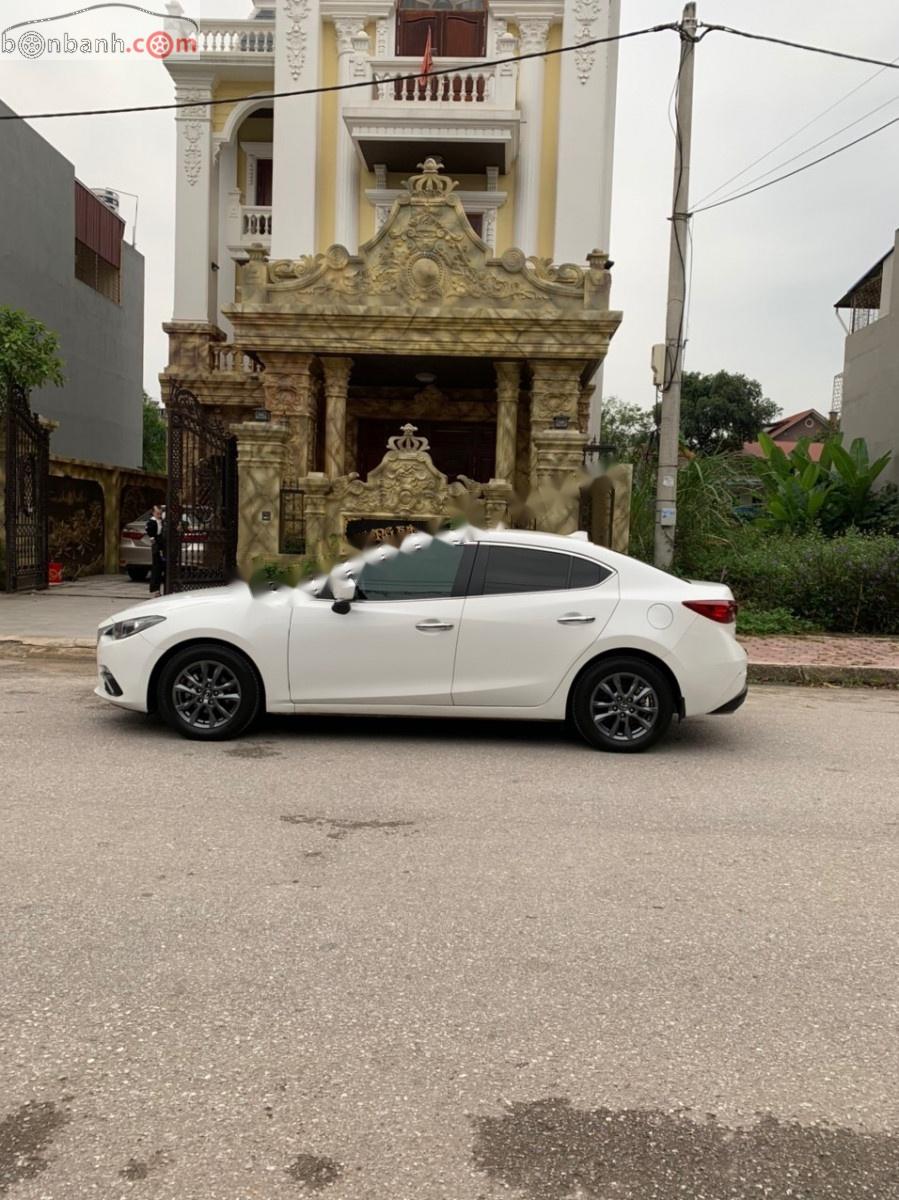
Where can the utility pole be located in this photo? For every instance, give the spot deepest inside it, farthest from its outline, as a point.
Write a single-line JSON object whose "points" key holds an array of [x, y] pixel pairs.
{"points": [[669, 427]]}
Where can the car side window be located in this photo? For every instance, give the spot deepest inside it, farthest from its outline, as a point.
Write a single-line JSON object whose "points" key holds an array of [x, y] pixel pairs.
{"points": [[512, 569], [423, 574], [507, 570], [586, 573]]}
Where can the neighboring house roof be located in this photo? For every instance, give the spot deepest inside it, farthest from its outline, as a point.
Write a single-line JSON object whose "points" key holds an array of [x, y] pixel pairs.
{"points": [[755, 450], [849, 300], [779, 428]]}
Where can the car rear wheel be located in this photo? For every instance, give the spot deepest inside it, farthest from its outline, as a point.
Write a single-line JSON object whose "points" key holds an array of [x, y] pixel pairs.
{"points": [[137, 574], [622, 704], [208, 693]]}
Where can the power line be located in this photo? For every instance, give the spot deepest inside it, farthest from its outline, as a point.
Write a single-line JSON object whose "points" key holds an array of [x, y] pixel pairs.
{"points": [[761, 37], [771, 182], [809, 149], [814, 120], [341, 87]]}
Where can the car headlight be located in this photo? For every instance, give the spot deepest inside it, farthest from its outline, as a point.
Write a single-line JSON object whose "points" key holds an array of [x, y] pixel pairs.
{"points": [[126, 629]]}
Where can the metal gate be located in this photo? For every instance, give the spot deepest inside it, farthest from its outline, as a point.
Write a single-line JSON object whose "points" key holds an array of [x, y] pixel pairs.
{"points": [[27, 462], [201, 501]]}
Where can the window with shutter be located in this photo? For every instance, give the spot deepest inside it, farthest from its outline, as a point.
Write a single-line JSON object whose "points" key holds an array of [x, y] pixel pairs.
{"points": [[458, 28]]}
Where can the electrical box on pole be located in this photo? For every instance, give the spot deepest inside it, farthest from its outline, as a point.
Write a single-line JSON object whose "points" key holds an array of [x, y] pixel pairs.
{"points": [[657, 362]]}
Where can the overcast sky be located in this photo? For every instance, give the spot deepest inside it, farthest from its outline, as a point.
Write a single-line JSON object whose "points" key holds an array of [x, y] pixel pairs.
{"points": [[767, 269]]}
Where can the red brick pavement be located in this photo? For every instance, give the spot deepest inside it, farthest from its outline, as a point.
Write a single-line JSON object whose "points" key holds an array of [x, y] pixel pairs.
{"points": [[824, 651]]}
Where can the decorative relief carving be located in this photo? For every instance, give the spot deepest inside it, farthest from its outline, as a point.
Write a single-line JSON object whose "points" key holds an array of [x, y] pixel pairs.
{"points": [[361, 50], [296, 13], [193, 124], [406, 439], [586, 14], [381, 33], [533, 33], [426, 252], [347, 28], [405, 483]]}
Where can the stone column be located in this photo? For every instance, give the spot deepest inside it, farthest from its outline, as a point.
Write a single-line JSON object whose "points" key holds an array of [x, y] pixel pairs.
{"points": [[555, 394], [193, 202], [295, 148], [557, 446], [229, 232], [621, 477], [290, 398], [352, 54], [318, 534], [531, 76], [498, 497], [508, 383], [261, 452], [557, 479], [586, 101], [337, 378]]}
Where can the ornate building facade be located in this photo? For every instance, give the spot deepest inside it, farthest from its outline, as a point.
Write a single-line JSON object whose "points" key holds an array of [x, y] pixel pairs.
{"points": [[353, 262]]}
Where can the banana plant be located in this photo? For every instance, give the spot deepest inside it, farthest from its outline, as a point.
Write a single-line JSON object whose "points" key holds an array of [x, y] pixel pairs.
{"points": [[854, 477], [796, 487]]}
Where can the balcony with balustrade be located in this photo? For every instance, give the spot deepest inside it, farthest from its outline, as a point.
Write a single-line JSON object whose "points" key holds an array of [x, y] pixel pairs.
{"points": [[463, 113], [238, 49]]}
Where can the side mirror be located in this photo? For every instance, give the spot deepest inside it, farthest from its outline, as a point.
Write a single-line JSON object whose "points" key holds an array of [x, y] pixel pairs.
{"points": [[343, 589]]}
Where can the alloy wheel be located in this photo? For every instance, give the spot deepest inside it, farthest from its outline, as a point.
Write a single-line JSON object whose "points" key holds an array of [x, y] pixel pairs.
{"points": [[206, 695], [624, 707]]}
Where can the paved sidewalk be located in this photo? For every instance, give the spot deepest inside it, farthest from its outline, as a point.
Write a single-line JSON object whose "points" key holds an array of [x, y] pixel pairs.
{"points": [[62, 621], [835, 650], [71, 610], [834, 659]]}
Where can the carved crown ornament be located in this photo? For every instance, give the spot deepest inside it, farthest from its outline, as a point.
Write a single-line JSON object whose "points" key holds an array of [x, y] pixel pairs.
{"points": [[426, 256]]}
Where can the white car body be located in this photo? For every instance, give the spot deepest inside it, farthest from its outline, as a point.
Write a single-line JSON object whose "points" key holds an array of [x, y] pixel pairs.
{"points": [[497, 656]]}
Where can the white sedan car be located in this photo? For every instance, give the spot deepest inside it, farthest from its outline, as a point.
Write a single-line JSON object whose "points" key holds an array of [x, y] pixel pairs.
{"points": [[471, 623]]}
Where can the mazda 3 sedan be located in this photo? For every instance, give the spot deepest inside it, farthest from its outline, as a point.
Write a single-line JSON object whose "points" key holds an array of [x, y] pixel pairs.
{"points": [[470, 623]]}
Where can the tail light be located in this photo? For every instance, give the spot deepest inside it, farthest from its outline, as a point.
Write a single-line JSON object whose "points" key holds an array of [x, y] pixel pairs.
{"points": [[132, 535], [193, 537], [722, 611]]}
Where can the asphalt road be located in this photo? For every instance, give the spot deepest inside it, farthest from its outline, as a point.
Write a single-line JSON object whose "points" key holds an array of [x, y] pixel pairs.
{"points": [[391, 960]]}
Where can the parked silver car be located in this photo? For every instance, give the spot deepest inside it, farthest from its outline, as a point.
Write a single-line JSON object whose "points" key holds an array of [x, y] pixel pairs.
{"points": [[136, 549]]}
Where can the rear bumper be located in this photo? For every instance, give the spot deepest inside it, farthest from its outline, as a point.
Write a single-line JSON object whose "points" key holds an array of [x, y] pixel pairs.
{"points": [[731, 705]]}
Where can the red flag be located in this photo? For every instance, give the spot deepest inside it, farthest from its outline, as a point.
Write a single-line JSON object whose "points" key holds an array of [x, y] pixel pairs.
{"points": [[427, 63]]}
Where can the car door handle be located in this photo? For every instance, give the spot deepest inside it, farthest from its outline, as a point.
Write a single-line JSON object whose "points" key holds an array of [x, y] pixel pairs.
{"points": [[575, 619], [429, 626]]}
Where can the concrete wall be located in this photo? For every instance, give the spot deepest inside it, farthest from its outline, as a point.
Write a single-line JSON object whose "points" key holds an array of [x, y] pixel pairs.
{"points": [[871, 383], [99, 409]]}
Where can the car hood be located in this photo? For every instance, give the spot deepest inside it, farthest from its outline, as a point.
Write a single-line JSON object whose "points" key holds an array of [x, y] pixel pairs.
{"points": [[163, 605]]}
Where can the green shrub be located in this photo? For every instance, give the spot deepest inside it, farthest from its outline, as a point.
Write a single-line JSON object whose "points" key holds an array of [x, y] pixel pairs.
{"points": [[847, 584], [765, 622], [706, 515]]}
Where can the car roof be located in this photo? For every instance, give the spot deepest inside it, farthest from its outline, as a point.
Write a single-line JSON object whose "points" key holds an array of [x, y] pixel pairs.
{"points": [[569, 544]]}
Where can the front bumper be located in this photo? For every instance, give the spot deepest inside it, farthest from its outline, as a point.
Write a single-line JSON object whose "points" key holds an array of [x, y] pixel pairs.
{"points": [[129, 664]]}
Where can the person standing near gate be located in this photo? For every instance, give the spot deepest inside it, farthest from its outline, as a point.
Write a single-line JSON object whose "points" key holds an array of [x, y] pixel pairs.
{"points": [[156, 533]]}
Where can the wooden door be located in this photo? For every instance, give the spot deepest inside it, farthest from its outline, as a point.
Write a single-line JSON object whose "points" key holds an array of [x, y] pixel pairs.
{"points": [[464, 34], [263, 182], [453, 34]]}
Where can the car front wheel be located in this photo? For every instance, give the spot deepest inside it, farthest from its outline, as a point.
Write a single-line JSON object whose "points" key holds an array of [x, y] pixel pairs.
{"points": [[622, 704], [208, 693]]}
